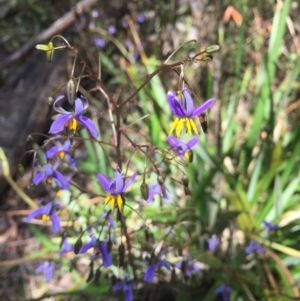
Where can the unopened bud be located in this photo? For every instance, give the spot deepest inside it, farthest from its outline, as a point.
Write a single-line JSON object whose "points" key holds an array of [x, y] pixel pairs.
{"points": [[185, 181], [160, 180], [121, 255], [145, 191], [206, 58], [71, 91], [91, 274], [20, 170], [78, 245], [212, 49], [189, 155], [109, 246], [50, 101], [187, 191], [29, 138], [97, 276]]}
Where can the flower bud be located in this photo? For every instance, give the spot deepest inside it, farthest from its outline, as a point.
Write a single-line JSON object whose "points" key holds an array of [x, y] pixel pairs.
{"points": [[71, 91], [189, 155], [20, 170], [187, 191], [145, 191], [185, 181], [206, 58], [121, 255], [109, 246], [97, 276], [160, 180], [212, 49], [50, 101], [78, 245], [91, 274]]}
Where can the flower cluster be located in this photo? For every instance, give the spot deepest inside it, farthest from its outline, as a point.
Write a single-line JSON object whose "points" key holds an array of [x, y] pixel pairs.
{"points": [[182, 106]]}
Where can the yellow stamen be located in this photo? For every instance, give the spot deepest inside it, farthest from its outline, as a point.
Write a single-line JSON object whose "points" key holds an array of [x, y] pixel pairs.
{"points": [[45, 218], [61, 155], [72, 124], [49, 180], [115, 200], [59, 193], [193, 126], [69, 254]]}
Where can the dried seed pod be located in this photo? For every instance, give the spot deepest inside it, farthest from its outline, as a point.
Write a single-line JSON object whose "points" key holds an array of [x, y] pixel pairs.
{"points": [[160, 180], [187, 191], [145, 191], [109, 246], [97, 276]]}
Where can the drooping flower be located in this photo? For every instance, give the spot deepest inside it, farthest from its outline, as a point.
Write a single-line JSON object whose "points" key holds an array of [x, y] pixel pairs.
{"points": [[126, 286], [47, 268], [115, 186], [180, 147], [107, 215], [51, 175], [47, 212], [154, 264], [270, 227], [100, 247], [254, 246], [184, 109], [224, 291], [112, 29], [188, 267], [155, 189], [72, 120], [213, 243], [67, 249]]}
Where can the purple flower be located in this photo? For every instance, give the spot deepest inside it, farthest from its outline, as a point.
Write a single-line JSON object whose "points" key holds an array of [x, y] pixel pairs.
{"points": [[141, 18], [254, 246], [115, 186], [67, 249], [111, 29], [155, 189], [95, 13], [61, 151], [224, 291], [72, 120], [188, 267], [150, 273], [48, 212], [99, 247], [92, 25], [184, 110], [99, 42], [126, 286], [47, 268], [125, 23], [270, 227], [107, 215], [213, 243], [180, 147], [50, 174]]}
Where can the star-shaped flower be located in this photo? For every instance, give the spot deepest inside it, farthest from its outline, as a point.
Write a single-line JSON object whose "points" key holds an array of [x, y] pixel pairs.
{"points": [[184, 109], [180, 147], [115, 186], [72, 120], [48, 212], [100, 247], [47, 268], [126, 286]]}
